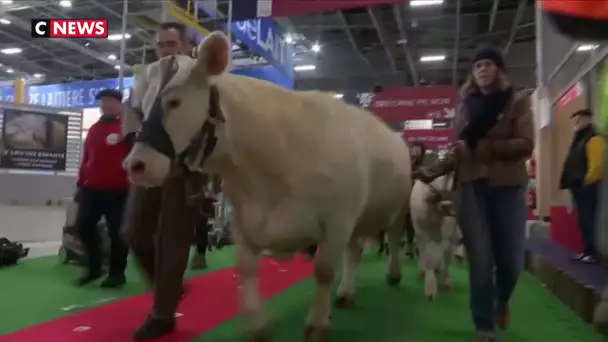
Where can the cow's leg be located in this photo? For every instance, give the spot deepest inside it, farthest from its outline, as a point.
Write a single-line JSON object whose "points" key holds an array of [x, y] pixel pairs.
{"points": [[327, 261], [347, 288], [432, 255], [444, 275], [255, 318], [393, 277]]}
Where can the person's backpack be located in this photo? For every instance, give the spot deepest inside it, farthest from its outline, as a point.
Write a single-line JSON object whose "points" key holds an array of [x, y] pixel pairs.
{"points": [[11, 252]]}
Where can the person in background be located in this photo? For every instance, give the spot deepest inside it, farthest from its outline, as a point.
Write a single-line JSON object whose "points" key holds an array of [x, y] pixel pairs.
{"points": [[102, 191], [161, 241], [496, 137], [201, 235], [582, 174], [417, 152]]}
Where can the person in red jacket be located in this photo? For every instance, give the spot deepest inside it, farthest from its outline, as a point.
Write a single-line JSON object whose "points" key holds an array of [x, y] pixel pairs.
{"points": [[102, 192]]}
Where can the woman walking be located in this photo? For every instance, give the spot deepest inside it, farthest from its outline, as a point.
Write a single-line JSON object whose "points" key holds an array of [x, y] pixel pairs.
{"points": [[496, 137]]}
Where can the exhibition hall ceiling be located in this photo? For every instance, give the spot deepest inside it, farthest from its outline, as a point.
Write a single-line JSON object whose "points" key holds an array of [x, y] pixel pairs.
{"points": [[402, 44]]}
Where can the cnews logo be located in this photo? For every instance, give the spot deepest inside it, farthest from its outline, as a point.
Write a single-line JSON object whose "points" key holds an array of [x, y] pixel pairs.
{"points": [[69, 28]]}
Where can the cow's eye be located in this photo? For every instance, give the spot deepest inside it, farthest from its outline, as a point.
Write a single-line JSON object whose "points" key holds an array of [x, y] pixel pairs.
{"points": [[173, 104]]}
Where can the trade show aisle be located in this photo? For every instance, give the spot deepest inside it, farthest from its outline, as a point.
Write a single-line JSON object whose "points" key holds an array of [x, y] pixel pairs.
{"points": [[39, 291]]}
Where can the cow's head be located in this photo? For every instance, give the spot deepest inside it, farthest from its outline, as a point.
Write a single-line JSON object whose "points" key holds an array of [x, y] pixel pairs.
{"points": [[180, 112], [442, 195]]}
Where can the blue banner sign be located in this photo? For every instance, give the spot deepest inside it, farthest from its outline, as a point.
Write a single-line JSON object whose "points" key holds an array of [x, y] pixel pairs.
{"points": [[265, 38], [82, 94], [74, 95]]}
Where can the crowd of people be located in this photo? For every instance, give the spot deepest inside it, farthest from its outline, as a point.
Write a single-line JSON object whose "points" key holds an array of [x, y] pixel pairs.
{"points": [[495, 137]]}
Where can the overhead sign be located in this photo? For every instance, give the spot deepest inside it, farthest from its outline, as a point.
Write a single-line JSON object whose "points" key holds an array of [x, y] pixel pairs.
{"points": [[82, 94], [414, 103], [249, 9], [74, 95], [265, 38]]}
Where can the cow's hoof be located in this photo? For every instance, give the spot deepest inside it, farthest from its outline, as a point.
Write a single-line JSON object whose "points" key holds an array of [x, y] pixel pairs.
{"points": [[345, 301], [316, 334], [393, 280], [431, 296], [264, 334]]}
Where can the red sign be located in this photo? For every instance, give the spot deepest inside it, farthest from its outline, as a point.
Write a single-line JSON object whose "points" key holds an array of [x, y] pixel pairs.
{"points": [[69, 28], [285, 8], [571, 94], [433, 139], [419, 103]]}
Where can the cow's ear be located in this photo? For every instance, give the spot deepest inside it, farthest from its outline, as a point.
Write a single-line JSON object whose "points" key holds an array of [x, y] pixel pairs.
{"points": [[213, 55]]}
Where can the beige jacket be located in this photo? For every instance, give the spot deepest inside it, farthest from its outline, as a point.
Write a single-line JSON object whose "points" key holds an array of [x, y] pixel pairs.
{"points": [[501, 158]]}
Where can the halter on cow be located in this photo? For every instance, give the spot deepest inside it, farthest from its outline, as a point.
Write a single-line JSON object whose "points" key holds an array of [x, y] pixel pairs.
{"points": [[153, 132]]}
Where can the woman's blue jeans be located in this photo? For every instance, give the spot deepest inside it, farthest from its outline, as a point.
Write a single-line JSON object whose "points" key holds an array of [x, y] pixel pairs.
{"points": [[493, 224]]}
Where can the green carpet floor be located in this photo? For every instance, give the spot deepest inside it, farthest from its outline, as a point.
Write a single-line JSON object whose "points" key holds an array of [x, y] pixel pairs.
{"points": [[36, 290]]}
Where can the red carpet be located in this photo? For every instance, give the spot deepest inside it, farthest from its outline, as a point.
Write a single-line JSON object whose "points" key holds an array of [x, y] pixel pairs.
{"points": [[212, 300]]}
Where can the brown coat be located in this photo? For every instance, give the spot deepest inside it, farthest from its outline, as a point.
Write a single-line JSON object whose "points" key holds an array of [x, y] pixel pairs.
{"points": [[501, 158]]}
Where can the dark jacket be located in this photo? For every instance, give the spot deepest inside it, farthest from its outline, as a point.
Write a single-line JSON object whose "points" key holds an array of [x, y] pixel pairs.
{"points": [[103, 153], [501, 156], [575, 165]]}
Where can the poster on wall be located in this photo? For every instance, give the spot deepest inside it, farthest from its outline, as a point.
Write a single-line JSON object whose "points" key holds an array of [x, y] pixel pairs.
{"points": [[33, 141]]}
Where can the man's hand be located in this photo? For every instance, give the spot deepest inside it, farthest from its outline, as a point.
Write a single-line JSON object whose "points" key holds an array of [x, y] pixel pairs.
{"points": [[78, 195]]}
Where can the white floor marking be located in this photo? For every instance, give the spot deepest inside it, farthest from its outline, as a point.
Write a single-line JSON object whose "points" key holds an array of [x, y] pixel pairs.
{"points": [[86, 305], [81, 328]]}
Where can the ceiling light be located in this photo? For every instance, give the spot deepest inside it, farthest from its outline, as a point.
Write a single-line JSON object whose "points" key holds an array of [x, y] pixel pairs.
{"points": [[316, 48], [7, 2], [338, 95], [117, 67], [10, 71], [308, 67], [424, 3], [118, 36], [112, 56], [4, 21], [11, 51], [65, 3], [288, 39], [435, 58], [87, 44], [38, 75], [586, 47]]}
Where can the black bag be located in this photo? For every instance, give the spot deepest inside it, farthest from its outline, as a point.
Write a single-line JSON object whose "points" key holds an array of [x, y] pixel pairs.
{"points": [[11, 252]]}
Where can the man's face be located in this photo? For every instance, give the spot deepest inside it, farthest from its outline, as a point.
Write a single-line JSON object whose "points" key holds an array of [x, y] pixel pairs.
{"points": [[581, 122], [169, 42], [110, 106]]}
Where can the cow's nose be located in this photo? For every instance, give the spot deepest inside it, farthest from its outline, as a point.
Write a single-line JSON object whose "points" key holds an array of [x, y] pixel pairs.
{"points": [[138, 166]]}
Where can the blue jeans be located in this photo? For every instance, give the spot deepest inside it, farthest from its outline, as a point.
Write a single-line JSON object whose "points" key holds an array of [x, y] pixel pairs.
{"points": [[585, 199], [493, 224]]}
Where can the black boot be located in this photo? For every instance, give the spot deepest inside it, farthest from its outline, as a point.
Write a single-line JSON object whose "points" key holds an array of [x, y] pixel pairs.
{"points": [[154, 327], [114, 281]]}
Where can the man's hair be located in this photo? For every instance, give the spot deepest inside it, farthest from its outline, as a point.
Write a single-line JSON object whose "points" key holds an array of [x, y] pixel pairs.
{"points": [[181, 28]]}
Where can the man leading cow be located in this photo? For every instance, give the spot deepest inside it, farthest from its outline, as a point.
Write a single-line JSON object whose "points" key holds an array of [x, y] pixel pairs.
{"points": [[161, 242]]}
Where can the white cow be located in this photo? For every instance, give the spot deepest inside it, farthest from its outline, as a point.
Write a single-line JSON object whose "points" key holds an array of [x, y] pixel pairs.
{"points": [[298, 167], [436, 231]]}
